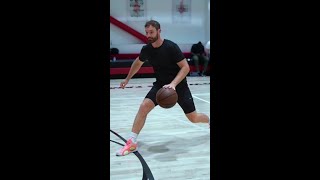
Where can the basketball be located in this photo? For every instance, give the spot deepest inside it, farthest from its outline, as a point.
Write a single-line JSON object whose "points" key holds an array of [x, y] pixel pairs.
{"points": [[166, 97]]}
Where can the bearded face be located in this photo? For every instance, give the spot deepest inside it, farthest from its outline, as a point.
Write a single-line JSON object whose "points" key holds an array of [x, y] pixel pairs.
{"points": [[153, 39], [152, 34]]}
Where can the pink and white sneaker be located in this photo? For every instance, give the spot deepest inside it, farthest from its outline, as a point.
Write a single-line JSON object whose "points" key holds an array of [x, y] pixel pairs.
{"points": [[128, 148]]}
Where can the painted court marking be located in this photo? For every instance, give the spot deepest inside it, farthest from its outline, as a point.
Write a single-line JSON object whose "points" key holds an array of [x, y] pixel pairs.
{"points": [[200, 99]]}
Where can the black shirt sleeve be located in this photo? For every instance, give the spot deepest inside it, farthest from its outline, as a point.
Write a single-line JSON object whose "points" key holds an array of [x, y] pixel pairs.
{"points": [[143, 54], [177, 53]]}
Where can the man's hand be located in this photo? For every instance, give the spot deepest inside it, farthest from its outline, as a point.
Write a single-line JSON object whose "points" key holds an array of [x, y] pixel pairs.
{"points": [[124, 83], [170, 86]]}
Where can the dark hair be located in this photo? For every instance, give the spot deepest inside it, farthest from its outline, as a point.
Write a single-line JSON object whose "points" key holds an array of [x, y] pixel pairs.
{"points": [[153, 23]]}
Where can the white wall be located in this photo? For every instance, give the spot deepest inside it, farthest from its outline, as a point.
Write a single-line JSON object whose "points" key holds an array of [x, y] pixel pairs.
{"points": [[184, 34]]}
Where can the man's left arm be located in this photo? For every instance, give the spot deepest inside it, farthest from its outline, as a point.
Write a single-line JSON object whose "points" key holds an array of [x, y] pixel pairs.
{"points": [[184, 70]]}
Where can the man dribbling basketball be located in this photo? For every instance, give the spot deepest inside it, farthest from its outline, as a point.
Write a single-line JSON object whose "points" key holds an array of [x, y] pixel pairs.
{"points": [[171, 69]]}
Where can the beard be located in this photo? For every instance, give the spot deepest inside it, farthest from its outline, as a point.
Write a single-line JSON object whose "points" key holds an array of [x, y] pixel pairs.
{"points": [[154, 39]]}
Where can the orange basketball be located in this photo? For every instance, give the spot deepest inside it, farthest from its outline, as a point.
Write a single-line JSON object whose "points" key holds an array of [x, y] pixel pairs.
{"points": [[166, 97]]}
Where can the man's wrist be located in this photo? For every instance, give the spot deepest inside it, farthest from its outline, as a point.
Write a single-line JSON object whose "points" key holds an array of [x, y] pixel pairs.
{"points": [[174, 83]]}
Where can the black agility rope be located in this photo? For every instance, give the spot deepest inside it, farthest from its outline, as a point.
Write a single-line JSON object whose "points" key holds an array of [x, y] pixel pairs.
{"points": [[146, 170]]}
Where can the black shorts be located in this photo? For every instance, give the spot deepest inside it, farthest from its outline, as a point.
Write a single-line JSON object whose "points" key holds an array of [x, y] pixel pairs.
{"points": [[185, 99]]}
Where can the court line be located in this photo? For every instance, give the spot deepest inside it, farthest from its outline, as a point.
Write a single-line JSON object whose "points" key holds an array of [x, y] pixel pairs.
{"points": [[117, 142], [200, 94], [200, 99]]}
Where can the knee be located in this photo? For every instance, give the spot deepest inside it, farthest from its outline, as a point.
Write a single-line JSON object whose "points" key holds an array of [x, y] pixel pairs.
{"points": [[145, 108]]}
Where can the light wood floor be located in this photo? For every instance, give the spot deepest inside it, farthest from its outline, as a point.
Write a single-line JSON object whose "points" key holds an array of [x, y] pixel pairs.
{"points": [[172, 146]]}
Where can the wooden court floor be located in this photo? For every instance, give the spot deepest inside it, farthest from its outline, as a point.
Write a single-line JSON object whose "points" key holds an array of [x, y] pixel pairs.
{"points": [[172, 147]]}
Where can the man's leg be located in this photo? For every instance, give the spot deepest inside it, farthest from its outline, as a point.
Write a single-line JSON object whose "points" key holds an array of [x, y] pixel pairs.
{"points": [[195, 117], [185, 101], [146, 106]]}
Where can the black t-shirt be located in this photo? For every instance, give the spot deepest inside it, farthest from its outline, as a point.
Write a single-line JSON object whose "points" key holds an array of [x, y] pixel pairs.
{"points": [[164, 60]]}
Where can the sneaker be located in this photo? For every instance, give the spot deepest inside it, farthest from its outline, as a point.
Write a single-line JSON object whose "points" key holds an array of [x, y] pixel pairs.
{"points": [[128, 148]]}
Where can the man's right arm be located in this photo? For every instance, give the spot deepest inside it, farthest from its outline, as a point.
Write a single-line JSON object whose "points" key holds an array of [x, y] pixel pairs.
{"points": [[136, 65]]}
